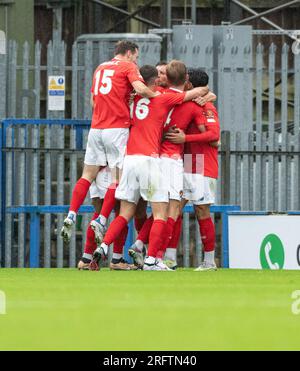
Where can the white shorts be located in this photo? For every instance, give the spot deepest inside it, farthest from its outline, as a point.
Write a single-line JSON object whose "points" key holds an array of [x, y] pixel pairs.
{"points": [[199, 190], [106, 147], [172, 170], [142, 177], [99, 187]]}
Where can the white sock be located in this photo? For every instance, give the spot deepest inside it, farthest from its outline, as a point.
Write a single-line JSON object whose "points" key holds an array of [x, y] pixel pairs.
{"points": [[139, 244], [150, 260], [117, 256], [102, 219], [72, 215], [87, 256], [159, 260], [209, 257], [171, 254], [105, 248]]}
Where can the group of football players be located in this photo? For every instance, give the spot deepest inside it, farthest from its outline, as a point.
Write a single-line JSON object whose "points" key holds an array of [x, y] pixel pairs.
{"points": [[154, 140]]}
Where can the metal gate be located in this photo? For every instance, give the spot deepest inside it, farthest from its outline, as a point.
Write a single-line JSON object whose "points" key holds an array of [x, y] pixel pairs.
{"points": [[36, 184]]}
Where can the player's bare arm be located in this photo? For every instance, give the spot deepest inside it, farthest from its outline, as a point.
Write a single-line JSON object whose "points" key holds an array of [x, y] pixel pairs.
{"points": [[178, 137], [195, 93], [92, 100]]}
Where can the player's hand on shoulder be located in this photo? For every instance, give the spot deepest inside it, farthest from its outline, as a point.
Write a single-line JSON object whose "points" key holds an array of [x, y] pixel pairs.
{"points": [[209, 97], [201, 101]]}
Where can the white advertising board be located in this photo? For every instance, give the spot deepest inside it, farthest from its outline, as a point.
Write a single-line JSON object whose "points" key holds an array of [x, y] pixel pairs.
{"points": [[264, 241]]}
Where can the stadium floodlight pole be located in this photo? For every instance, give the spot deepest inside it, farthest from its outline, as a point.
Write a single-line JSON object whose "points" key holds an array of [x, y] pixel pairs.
{"points": [[269, 11], [138, 18], [131, 15]]}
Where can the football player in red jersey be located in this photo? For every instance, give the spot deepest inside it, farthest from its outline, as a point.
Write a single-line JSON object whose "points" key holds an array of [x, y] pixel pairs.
{"points": [[201, 142], [142, 175], [113, 82], [171, 158]]}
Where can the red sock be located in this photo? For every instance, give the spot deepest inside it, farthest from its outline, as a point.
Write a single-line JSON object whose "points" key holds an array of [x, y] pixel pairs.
{"points": [[168, 233], [109, 200], [145, 231], [114, 230], [176, 233], [208, 234], [79, 193], [120, 241], [156, 237], [139, 222], [90, 243], [167, 237]]}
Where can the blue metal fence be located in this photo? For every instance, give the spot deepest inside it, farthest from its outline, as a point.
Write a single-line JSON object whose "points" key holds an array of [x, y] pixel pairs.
{"points": [[36, 211], [43, 160]]}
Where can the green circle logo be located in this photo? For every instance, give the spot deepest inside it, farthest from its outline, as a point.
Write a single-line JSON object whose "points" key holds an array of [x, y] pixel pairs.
{"points": [[272, 252]]}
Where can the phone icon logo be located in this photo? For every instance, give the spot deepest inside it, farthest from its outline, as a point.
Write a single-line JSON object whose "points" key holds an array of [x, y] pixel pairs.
{"points": [[272, 253]]}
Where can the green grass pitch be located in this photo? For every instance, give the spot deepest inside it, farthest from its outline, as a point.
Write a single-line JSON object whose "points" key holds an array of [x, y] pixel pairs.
{"points": [[64, 309]]}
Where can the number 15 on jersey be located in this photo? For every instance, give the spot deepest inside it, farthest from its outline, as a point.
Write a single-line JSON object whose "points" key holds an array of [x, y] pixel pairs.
{"points": [[103, 83]]}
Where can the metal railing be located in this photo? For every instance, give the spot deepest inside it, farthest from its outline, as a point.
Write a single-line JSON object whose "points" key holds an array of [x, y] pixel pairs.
{"points": [[35, 212], [244, 78], [40, 162]]}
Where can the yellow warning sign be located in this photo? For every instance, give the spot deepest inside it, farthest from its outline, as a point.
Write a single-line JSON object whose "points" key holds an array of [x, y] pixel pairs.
{"points": [[54, 85]]}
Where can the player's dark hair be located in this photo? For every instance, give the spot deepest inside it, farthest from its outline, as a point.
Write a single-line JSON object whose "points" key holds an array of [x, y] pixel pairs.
{"points": [[148, 73], [123, 46], [161, 63], [197, 77], [176, 73]]}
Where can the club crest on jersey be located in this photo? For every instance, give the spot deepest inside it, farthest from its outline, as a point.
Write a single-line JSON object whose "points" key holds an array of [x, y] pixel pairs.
{"points": [[210, 116]]}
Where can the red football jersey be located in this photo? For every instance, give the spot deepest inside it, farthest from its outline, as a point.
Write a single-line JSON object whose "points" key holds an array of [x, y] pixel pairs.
{"points": [[181, 117], [210, 153], [149, 117], [160, 89], [111, 89]]}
